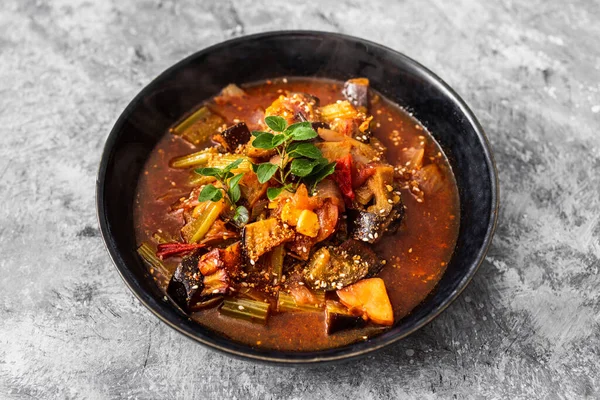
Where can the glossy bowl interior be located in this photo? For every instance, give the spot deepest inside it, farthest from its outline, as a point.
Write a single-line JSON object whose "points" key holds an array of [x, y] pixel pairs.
{"points": [[299, 53]]}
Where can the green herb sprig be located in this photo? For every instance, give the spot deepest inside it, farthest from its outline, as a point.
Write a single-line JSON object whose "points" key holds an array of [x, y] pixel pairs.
{"points": [[230, 186], [305, 160]]}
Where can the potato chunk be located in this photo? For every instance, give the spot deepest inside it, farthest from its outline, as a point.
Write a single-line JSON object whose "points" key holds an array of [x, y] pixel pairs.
{"points": [[370, 297]]}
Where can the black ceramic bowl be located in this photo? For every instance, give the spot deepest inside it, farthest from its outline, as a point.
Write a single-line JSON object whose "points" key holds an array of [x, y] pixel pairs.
{"points": [[297, 53]]}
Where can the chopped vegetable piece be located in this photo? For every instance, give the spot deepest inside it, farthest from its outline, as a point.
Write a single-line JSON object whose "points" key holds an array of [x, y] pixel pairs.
{"points": [[370, 297], [176, 249], [343, 176], [328, 216], [186, 285], [290, 214], [308, 224], [261, 237], [329, 135], [332, 268], [228, 93], [148, 255], [210, 262], [233, 137], [356, 91], [195, 230], [341, 110], [198, 127], [215, 283], [301, 246], [202, 305], [338, 318], [276, 261], [379, 183], [249, 310], [370, 227], [288, 303], [191, 160]]}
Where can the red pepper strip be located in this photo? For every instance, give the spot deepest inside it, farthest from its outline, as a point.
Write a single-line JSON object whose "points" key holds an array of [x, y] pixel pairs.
{"points": [[343, 176], [363, 175], [172, 249]]}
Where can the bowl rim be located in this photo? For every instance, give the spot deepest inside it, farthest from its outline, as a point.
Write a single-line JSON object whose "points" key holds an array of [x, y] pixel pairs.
{"points": [[288, 359]]}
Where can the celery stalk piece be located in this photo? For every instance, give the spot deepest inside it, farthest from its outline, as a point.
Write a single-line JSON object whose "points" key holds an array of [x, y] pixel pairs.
{"points": [[149, 256], [277, 256], [199, 158], [199, 180], [287, 303], [249, 310], [195, 230], [198, 127]]}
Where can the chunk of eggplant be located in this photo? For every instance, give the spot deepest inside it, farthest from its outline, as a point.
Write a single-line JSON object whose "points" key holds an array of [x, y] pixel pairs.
{"points": [[370, 227], [185, 287], [339, 318], [233, 137], [356, 91], [335, 267]]}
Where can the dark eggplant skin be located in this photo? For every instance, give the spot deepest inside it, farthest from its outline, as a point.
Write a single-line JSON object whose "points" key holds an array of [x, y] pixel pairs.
{"points": [[333, 267], [234, 136], [356, 91], [320, 125], [186, 285], [338, 318], [369, 227]]}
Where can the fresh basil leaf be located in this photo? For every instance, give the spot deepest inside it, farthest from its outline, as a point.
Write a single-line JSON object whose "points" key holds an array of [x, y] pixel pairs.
{"points": [[233, 165], [308, 150], [258, 133], [276, 123], [302, 166], [278, 139], [266, 171], [255, 167], [264, 141], [233, 182], [216, 172], [235, 194], [272, 192], [241, 216], [210, 193], [301, 131]]}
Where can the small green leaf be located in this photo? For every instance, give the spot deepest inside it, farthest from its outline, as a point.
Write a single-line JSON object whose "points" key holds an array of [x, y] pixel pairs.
{"points": [[278, 139], [235, 194], [233, 165], [305, 150], [241, 216], [264, 141], [233, 182], [216, 172], [272, 192], [301, 131], [276, 123], [255, 167], [210, 193], [324, 170], [303, 166], [258, 133], [266, 171]]}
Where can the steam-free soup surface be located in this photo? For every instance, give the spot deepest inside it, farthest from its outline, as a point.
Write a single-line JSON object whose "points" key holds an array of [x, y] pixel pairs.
{"points": [[415, 257]]}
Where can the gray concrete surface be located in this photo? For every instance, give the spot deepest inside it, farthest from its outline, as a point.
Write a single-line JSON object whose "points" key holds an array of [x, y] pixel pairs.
{"points": [[527, 327]]}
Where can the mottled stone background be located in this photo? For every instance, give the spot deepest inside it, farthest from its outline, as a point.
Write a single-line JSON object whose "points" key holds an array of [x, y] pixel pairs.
{"points": [[527, 327]]}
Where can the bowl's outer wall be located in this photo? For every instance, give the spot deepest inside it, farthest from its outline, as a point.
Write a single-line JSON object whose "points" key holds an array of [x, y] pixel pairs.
{"points": [[310, 54]]}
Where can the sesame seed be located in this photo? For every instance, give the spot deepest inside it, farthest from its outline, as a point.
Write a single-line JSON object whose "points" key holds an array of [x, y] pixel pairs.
{"points": [[241, 307]]}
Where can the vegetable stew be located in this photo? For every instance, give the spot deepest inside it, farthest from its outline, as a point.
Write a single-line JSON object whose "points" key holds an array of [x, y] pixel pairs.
{"points": [[297, 214]]}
